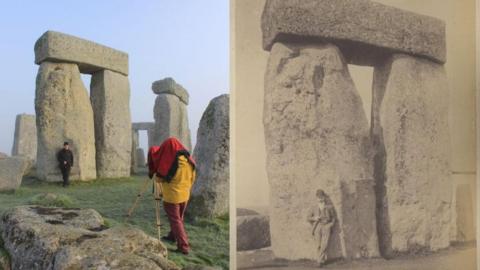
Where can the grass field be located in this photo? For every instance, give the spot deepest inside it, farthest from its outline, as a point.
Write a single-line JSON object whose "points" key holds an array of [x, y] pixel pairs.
{"points": [[113, 197]]}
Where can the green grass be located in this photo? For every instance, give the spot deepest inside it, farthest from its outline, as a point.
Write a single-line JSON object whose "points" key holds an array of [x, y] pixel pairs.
{"points": [[113, 197]]}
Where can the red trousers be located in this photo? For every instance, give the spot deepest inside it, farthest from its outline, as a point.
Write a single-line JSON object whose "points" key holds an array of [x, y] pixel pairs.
{"points": [[175, 213]]}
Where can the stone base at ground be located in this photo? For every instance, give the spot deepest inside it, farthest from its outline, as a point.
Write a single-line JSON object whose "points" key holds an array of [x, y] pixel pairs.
{"points": [[62, 238], [12, 169], [64, 113], [412, 163], [317, 137]]}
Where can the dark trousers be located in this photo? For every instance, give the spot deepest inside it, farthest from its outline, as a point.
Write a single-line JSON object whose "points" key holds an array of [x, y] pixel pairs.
{"points": [[65, 175], [175, 213]]}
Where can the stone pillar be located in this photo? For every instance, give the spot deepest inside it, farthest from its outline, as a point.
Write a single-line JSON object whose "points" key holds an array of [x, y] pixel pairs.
{"points": [[140, 158], [317, 137], [412, 162], [64, 113], [110, 97], [210, 191], [25, 138], [170, 112], [135, 144]]}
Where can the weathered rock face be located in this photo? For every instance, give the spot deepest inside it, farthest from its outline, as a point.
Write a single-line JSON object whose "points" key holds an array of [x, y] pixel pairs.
{"points": [[169, 86], [412, 163], [253, 232], [64, 113], [89, 56], [463, 218], [12, 169], [317, 137], [211, 189], [61, 238], [110, 97], [364, 30], [171, 120], [133, 160], [25, 138], [140, 158]]}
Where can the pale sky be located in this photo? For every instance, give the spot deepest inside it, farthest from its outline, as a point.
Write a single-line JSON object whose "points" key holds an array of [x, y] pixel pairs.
{"points": [[186, 40]]}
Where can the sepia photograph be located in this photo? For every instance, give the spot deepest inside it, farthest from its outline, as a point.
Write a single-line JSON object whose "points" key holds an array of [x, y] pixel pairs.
{"points": [[355, 140]]}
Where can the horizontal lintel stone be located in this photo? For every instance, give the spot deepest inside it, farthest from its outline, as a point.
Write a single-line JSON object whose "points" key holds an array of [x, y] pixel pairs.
{"points": [[364, 30], [89, 56]]}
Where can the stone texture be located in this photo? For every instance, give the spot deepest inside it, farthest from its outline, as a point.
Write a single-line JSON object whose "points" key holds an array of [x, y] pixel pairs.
{"points": [[133, 159], [317, 137], [171, 120], [89, 56], [66, 238], [464, 224], [412, 161], [25, 138], [143, 125], [140, 158], [64, 113], [12, 169], [253, 232], [210, 191], [363, 29], [169, 86], [110, 97]]}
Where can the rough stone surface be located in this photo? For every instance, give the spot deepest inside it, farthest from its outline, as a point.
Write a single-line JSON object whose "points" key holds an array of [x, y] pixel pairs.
{"points": [[140, 158], [143, 125], [25, 138], [110, 97], [412, 161], [62, 238], [211, 189], [464, 214], [171, 120], [89, 56], [169, 86], [363, 29], [64, 113], [317, 137], [133, 159], [253, 232], [246, 212], [12, 169]]}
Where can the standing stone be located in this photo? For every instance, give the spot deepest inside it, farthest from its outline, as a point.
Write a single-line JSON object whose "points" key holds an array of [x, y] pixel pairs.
{"points": [[463, 221], [140, 158], [25, 139], [110, 97], [64, 113], [210, 191], [317, 137], [170, 113], [412, 162], [133, 159]]}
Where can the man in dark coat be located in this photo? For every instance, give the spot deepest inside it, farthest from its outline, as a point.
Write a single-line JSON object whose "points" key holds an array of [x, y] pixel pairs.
{"points": [[65, 160]]}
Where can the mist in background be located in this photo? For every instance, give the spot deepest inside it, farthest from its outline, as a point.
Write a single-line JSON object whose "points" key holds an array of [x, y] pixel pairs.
{"points": [[185, 40]]}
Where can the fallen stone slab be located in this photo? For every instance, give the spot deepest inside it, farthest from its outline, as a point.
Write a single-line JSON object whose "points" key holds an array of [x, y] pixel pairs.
{"points": [[89, 56], [169, 86], [70, 238], [362, 29], [253, 232], [12, 169]]}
